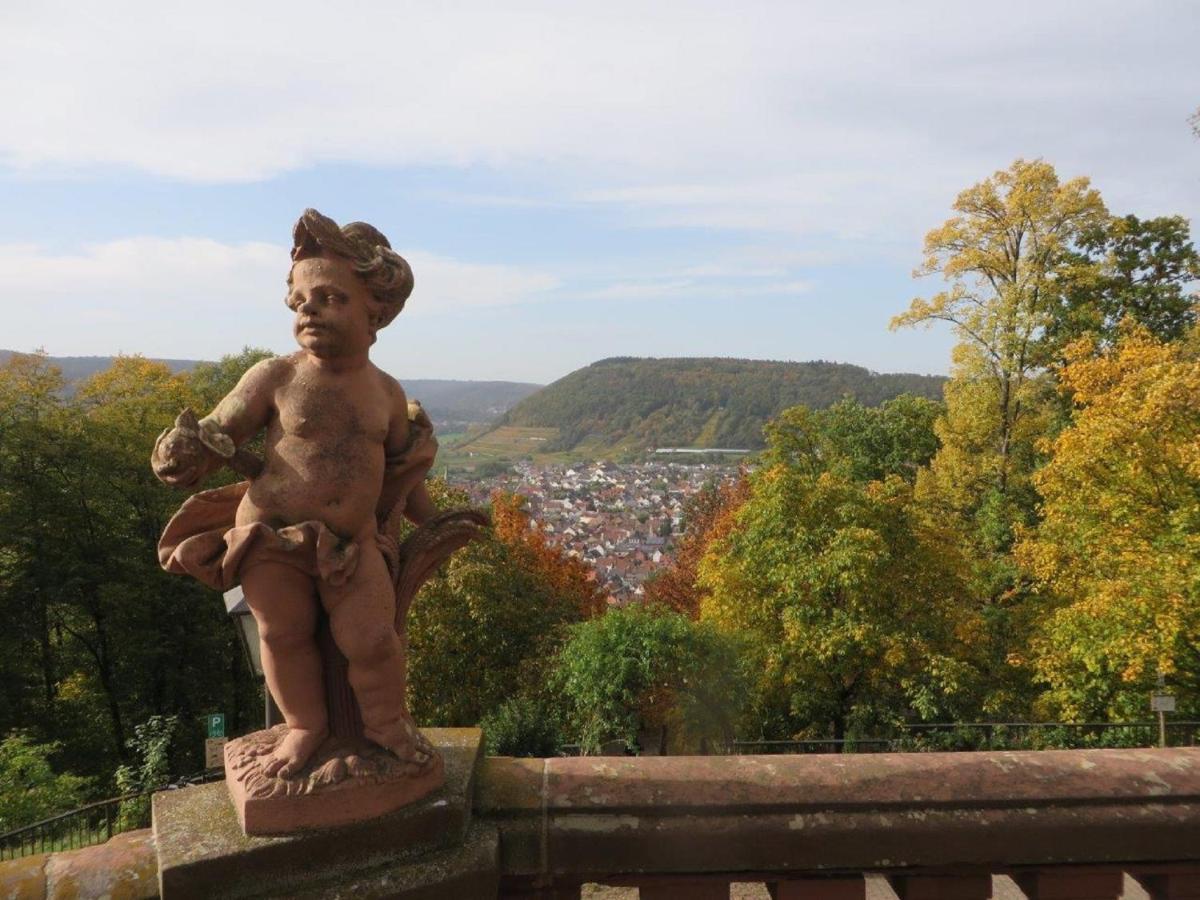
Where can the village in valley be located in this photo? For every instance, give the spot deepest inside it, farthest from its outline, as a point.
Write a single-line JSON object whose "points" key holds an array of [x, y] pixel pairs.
{"points": [[620, 518]]}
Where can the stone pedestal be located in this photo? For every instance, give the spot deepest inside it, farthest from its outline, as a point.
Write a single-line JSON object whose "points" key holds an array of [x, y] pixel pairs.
{"points": [[409, 853], [347, 780]]}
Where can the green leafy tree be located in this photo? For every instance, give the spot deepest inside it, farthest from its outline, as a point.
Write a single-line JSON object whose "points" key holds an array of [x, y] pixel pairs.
{"points": [[848, 602], [211, 381], [524, 725], [867, 443], [99, 636], [1129, 270], [30, 788], [642, 668]]}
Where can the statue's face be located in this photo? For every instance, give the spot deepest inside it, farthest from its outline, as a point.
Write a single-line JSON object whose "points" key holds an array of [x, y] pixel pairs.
{"points": [[333, 307]]}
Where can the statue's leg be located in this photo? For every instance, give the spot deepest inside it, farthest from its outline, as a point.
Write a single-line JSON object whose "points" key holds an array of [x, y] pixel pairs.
{"points": [[362, 618], [284, 602]]}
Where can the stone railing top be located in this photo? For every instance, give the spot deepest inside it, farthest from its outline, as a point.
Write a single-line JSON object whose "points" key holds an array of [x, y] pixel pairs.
{"points": [[602, 817], [831, 782]]}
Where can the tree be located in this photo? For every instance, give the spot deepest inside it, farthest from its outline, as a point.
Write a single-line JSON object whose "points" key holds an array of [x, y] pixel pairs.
{"points": [[708, 516], [30, 789], [99, 636], [486, 627], [31, 409], [1016, 239], [1129, 270], [1003, 254], [642, 668], [1118, 545], [211, 381], [866, 443], [846, 600]]}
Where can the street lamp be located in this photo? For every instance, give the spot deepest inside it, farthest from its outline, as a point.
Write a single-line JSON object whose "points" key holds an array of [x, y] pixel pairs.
{"points": [[247, 629]]}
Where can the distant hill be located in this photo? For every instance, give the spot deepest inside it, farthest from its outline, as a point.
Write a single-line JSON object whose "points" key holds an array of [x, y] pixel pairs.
{"points": [[77, 368], [453, 405], [705, 402]]}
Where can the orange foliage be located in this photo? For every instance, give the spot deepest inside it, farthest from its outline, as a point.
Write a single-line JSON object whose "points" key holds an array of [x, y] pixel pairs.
{"points": [[710, 517], [570, 578]]}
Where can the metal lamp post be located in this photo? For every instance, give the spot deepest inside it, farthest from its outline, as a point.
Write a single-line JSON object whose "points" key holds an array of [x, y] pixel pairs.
{"points": [[247, 628]]}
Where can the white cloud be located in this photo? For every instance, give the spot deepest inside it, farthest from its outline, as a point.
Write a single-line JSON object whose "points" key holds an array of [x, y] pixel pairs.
{"points": [[694, 288], [190, 297], [448, 285], [797, 117]]}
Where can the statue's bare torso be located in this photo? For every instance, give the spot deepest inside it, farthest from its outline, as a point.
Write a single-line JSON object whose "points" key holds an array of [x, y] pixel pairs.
{"points": [[325, 444]]}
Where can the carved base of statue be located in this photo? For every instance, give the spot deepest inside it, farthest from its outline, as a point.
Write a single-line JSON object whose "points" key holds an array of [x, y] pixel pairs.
{"points": [[347, 780]]}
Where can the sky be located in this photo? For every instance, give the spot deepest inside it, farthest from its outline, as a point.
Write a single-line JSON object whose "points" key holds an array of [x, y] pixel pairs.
{"points": [[570, 181]]}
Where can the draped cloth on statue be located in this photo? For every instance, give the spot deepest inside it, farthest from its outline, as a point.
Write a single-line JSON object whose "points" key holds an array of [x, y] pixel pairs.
{"points": [[202, 539]]}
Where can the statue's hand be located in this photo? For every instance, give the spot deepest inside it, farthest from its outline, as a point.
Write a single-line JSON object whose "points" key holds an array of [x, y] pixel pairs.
{"points": [[179, 458]]}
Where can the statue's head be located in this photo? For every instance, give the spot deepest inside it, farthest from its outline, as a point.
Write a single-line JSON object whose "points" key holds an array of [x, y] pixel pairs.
{"points": [[383, 271]]}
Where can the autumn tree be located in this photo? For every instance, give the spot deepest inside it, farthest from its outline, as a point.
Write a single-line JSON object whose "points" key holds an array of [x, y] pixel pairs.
{"points": [[1118, 545], [708, 516], [1003, 254], [485, 628], [1015, 240], [566, 576], [101, 638], [846, 598]]}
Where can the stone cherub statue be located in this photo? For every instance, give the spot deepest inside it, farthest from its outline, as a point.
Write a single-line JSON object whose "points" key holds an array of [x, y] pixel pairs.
{"points": [[312, 536]]}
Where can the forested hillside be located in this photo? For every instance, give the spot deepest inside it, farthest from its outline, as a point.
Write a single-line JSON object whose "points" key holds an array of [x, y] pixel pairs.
{"points": [[698, 402], [456, 404]]}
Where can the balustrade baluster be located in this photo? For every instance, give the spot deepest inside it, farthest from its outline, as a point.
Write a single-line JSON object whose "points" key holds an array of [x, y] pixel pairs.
{"points": [[849, 887], [1182, 884], [942, 887], [1071, 884]]}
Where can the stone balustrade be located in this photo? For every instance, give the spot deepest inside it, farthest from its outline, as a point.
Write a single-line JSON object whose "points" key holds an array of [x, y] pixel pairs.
{"points": [[1064, 825]]}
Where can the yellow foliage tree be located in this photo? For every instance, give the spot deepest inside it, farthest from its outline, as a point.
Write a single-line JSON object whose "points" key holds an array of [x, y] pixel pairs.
{"points": [[1119, 540], [1002, 253]]}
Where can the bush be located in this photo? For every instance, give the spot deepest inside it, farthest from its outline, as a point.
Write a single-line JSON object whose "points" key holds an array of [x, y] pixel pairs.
{"points": [[521, 726], [151, 744]]}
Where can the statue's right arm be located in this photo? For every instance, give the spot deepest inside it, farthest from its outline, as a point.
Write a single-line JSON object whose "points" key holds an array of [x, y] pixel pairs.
{"points": [[182, 459], [248, 408]]}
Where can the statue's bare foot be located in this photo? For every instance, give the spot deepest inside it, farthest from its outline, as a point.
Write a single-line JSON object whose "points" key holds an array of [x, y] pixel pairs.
{"points": [[404, 740], [296, 748]]}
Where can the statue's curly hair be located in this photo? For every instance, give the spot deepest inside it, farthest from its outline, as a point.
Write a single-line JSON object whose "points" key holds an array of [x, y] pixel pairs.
{"points": [[385, 272]]}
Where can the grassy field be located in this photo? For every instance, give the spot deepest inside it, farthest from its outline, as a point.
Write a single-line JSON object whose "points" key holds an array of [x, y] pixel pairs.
{"points": [[504, 444], [512, 443]]}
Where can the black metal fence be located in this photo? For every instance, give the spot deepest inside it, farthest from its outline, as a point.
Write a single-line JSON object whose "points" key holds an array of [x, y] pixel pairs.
{"points": [[991, 736], [91, 824]]}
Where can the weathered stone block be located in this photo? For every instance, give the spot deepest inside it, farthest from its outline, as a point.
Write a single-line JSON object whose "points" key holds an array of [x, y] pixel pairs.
{"points": [[203, 851], [469, 871]]}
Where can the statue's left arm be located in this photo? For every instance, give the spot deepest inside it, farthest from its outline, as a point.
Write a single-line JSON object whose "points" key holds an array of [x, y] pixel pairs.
{"points": [[409, 452]]}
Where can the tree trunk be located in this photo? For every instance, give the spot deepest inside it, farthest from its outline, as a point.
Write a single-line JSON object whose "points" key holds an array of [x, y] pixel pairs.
{"points": [[345, 717]]}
